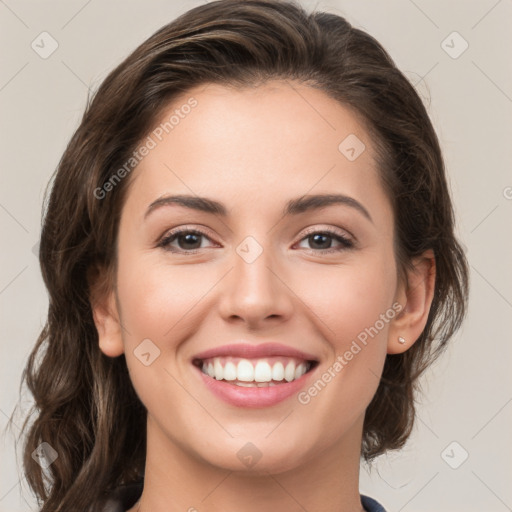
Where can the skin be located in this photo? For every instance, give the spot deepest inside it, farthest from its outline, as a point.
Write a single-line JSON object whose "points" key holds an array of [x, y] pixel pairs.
{"points": [[253, 150]]}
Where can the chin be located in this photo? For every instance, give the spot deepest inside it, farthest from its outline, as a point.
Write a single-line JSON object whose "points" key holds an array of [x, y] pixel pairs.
{"points": [[256, 457]]}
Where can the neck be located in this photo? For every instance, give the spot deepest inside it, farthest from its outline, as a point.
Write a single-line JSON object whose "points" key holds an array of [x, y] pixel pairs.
{"points": [[176, 480]]}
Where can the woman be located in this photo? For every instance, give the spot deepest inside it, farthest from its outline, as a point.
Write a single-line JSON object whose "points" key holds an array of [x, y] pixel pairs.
{"points": [[253, 369]]}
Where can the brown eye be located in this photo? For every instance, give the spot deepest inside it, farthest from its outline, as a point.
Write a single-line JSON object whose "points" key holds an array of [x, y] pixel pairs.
{"points": [[185, 240], [319, 241]]}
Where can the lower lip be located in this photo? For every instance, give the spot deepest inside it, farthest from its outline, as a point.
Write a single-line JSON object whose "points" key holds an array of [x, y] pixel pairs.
{"points": [[253, 397]]}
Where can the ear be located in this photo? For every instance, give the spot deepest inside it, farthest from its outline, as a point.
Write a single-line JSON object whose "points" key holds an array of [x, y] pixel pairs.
{"points": [[105, 313], [414, 294]]}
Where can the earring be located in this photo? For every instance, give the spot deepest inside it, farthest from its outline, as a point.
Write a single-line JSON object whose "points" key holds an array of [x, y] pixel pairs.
{"points": [[401, 340]]}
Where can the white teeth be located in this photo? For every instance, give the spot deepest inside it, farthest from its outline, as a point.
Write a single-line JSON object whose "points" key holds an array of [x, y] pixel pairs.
{"points": [[249, 373], [245, 371], [262, 372], [300, 370], [278, 371], [219, 371], [229, 371], [289, 371]]}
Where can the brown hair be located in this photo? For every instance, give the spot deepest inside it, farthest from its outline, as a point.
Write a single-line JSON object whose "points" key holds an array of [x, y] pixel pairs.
{"points": [[85, 405]]}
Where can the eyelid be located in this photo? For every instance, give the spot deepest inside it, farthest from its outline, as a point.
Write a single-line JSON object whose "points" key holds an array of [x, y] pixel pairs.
{"points": [[328, 229], [188, 227]]}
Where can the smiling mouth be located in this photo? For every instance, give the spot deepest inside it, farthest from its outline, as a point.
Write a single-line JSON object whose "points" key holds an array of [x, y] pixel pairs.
{"points": [[260, 372]]}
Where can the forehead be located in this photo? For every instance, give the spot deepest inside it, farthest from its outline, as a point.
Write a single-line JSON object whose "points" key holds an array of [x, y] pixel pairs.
{"points": [[279, 140]]}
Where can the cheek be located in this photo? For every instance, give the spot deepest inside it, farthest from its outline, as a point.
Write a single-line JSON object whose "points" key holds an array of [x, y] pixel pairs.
{"points": [[157, 297], [159, 304], [349, 298], [355, 306]]}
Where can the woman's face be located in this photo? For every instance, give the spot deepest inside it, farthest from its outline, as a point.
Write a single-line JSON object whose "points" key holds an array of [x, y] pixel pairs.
{"points": [[268, 266]]}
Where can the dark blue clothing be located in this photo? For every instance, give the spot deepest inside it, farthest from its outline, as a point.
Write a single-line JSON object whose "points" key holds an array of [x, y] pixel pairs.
{"points": [[125, 497], [371, 505]]}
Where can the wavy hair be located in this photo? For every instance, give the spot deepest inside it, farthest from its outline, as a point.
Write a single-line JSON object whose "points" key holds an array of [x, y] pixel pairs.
{"points": [[85, 406]]}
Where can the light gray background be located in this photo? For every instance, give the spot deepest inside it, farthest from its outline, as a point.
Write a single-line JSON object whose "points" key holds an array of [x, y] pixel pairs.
{"points": [[468, 394]]}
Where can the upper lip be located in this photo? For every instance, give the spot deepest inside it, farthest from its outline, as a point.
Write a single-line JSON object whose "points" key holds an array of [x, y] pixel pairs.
{"points": [[249, 351]]}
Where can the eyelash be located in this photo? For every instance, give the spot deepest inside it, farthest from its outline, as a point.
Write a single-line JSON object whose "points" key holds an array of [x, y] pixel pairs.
{"points": [[345, 242]]}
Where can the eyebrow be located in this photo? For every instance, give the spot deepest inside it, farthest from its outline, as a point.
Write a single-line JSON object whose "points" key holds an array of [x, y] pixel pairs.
{"points": [[293, 207]]}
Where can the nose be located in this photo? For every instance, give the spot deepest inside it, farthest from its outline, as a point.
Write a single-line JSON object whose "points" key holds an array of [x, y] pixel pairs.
{"points": [[256, 293]]}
